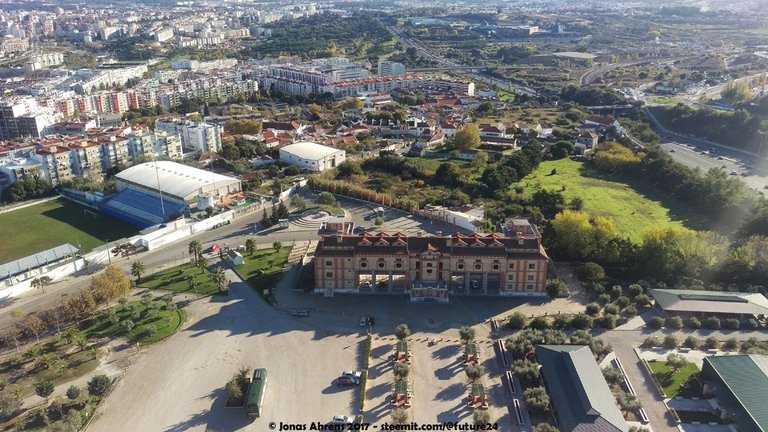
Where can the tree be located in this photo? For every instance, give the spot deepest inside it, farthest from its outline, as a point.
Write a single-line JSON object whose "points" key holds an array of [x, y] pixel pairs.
{"points": [[590, 272], [516, 321], [47, 360], [195, 249], [691, 342], [539, 323], [219, 279], [527, 372], [298, 202], [656, 322], [277, 246], [671, 342], [651, 342], [326, 198], [593, 309], [545, 427], [613, 375], [401, 370], [674, 323], [127, 325], [475, 371], [582, 321], [34, 325], [736, 92], [467, 334], [711, 343], [555, 287], [562, 149], [731, 344], [347, 169], [98, 385], [399, 416], [41, 282], [481, 417], [536, 399], [676, 361], [628, 402], [250, 246], [44, 389], [642, 300], [73, 392], [712, 323], [137, 268], [81, 342], [402, 331], [468, 137]]}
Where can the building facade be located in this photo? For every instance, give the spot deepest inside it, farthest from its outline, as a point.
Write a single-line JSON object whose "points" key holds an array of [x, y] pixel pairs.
{"points": [[390, 68], [431, 268]]}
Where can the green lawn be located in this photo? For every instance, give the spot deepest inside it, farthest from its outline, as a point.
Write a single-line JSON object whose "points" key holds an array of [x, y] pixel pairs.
{"points": [[43, 226], [634, 206], [333, 210], [263, 268], [670, 381], [182, 278], [663, 100], [166, 321]]}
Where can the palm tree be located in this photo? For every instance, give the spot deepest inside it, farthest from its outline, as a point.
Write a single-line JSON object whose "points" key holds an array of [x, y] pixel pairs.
{"points": [[137, 268], [219, 279], [250, 246], [195, 249], [201, 263]]}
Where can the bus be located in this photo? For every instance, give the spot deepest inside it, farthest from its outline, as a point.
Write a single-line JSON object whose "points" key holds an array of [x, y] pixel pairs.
{"points": [[254, 403]]}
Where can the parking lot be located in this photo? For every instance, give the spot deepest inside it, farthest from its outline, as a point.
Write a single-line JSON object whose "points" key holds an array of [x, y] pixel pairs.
{"points": [[178, 385], [440, 384]]}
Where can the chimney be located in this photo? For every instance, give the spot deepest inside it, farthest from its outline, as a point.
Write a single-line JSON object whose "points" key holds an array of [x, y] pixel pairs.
{"points": [[520, 238]]}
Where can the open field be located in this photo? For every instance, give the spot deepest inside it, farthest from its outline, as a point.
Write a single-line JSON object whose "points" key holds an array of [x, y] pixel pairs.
{"points": [[633, 206], [43, 226], [670, 381]]}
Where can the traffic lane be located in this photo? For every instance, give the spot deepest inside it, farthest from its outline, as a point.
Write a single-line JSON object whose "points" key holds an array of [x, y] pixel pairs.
{"points": [[755, 179]]}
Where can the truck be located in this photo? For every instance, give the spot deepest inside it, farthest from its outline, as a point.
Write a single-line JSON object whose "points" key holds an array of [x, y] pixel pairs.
{"points": [[254, 402]]}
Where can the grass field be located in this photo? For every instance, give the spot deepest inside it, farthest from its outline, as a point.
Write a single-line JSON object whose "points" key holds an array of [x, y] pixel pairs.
{"points": [[43, 226], [180, 279], [633, 206], [262, 269], [663, 100], [165, 321], [670, 381]]}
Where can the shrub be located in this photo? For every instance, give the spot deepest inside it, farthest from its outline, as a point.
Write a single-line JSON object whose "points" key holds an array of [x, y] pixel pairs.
{"points": [[44, 389], [612, 375], [399, 416], [693, 323], [590, 272], [691, 342], [651, 342], [623, 301], [604, 299], [73, 392], [676, 361], [539, 323], [593, 309], [671, 342], [611, 309], [631, 311], [537, 400], [527, 372], [561, 321], [474, 372], [656, 322], [675, 323], [545, 427], [516, 321], [642, 300], [731, 324], [634, 290], [581, 322], [401, 370], [711, 343], [481, 417], [608, 321], [467, 333], [555, 287], [712, 323], [616, 291], [402, 331], [750, 324], [98, 385], [732, 344]]}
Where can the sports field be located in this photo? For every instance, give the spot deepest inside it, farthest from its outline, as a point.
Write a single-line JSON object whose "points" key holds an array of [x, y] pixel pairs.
{"points": [[43, 226], [634, 206]]}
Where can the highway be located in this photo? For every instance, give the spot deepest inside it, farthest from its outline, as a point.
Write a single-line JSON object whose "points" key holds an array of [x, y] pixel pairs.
{"points": [[408, 43]]}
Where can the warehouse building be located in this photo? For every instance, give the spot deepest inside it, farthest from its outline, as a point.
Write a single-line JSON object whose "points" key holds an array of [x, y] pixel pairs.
{"points": [[312, 156]]}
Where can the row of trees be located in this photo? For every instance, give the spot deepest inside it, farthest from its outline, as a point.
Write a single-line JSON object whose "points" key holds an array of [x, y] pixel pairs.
{"points": [[34, 187], [108, 286]]}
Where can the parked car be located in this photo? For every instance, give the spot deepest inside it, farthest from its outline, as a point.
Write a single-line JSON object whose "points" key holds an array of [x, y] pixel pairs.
{"points": [[347, 381], [341, 420], [364, 321], [213, 248], [300, 312], [350, 373]]}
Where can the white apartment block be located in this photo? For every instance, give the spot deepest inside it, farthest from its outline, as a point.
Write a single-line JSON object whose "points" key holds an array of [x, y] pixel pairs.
{"points": [[201, 137], [390, 68]]}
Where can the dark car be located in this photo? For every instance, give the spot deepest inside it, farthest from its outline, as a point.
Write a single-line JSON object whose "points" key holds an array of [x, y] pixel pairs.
{"points": [[346, 380]]}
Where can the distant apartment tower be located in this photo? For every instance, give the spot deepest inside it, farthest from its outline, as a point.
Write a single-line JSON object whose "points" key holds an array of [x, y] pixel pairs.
{"points": [[24, 118], [201, 137], [390, 68]]}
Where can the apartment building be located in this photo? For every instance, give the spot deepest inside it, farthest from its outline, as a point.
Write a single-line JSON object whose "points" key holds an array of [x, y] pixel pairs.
{"points": [[390, 68], [23, 117], [199, 137], [431, 268], [55, 162], [86, 158], [115, 151]]}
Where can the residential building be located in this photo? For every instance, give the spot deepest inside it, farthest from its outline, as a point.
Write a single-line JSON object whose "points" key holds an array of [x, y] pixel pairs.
{"points": [[740, 386], [55, 162], [198, 137], [86, 157], [23, 117], [431, 268], [390, 68], [580, 396], [312, 156], [586, 142], [115, 151]]}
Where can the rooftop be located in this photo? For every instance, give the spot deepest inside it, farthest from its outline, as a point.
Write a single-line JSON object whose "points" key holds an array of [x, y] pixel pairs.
{"points": [[21, 265], [173, 178], [309, 150], [746, 376], [711, 301]]}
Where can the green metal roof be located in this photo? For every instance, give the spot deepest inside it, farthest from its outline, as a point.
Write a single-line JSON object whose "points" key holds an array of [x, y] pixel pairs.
{"points": [[581, 397], [256, 388], [746, 376]]}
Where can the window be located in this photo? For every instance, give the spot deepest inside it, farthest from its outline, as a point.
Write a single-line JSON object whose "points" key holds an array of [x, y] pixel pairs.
{"points": [[381, 265], [429, 271], [328, 263], [460, 266], [530, 278], [399, 265], [511, 277], [495, 266], [328, 274], [429, 265], [529, 287], [511, 266], [418, 265], [363, 264], [478, 266], [531, 266]]}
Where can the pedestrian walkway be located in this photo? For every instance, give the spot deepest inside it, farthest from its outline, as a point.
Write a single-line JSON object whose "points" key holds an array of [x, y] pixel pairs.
{"points": [[639, 321]]}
